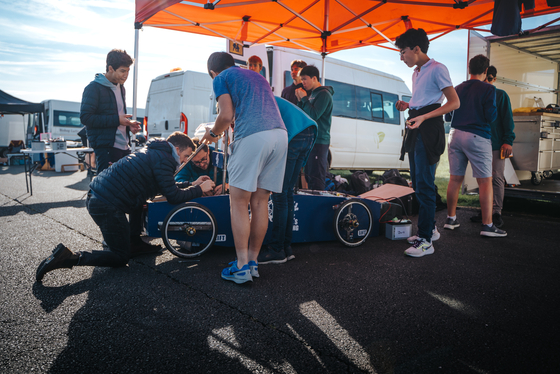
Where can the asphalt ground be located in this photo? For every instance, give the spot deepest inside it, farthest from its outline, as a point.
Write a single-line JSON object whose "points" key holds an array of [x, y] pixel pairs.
{"points": [[477, 305]]}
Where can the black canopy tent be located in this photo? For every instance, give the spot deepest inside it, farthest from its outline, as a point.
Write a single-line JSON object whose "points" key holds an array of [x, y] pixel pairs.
{"points": [[13, 105]]}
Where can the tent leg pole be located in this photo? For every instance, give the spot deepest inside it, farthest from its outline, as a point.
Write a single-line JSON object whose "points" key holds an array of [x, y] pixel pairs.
{"points": [[323, 70], [135, 84]]}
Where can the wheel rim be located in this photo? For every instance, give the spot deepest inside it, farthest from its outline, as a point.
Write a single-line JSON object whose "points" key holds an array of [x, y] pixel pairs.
{"points": [[352, 223], [189, 230]]}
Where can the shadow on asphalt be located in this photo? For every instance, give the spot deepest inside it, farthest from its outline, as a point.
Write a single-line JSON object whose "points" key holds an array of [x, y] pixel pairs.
{"points": [[40, 208]]}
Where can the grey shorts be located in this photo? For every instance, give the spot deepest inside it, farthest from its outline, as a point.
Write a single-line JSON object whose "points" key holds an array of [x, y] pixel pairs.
{"points": [[259, 161], [464, 147]]}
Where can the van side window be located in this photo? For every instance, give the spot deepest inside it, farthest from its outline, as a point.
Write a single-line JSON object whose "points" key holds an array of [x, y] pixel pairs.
{"points": [[363, 98], [363, 103], [377, 106], [63, 118], [287, 78], [344, 99], [390, 109], [406, 98]]}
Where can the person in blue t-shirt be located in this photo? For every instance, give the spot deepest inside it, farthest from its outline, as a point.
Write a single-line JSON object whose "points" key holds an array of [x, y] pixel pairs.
{"points": [[302, 132], [502, 148], [257, 156], [470, 140]]}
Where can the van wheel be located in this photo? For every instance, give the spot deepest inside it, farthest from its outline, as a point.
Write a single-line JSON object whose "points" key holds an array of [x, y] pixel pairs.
{"points": [[4, 152], [329, 159]]}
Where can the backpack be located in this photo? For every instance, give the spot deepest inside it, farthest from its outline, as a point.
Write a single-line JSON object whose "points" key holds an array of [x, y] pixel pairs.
{"points": [[360, 183], [329, 182], [394, 177]]}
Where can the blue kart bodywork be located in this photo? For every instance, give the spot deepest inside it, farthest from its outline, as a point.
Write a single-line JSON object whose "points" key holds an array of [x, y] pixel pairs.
{"points": [[317, 217]]}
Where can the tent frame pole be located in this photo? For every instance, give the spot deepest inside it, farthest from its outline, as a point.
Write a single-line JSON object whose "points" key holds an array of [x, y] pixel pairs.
{"points": [[135, 83]]}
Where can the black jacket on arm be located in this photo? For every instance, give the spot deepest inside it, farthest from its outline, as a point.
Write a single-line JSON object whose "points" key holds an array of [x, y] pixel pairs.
{"points": [[128, 183], [100, 115]]}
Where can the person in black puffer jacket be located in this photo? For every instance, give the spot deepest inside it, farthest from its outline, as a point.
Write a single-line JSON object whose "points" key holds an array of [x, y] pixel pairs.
{"points": [[124, 188], [103, 111]]}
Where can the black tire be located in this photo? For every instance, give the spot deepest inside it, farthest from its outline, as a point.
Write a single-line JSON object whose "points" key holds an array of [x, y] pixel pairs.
{"points": [[548, 174], [536, 178], [351, 218], [189, 230]]}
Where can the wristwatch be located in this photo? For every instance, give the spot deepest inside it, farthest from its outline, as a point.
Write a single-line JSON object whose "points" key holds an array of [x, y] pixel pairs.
{"points": [[212, 134]]}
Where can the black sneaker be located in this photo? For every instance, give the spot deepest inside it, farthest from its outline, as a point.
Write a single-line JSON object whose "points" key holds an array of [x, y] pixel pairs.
{"points": [[492, 232], [61, 258], [497, 219], [451, 224], [289, 253], [143, 248], [270, 256], [477, 218]]}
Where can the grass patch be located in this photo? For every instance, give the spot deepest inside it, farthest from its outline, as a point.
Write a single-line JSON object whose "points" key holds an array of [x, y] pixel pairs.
{"points": [[442, 178]]}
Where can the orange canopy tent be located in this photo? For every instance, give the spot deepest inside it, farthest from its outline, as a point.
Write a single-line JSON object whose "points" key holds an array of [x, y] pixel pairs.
{"points": [[323, 26]]}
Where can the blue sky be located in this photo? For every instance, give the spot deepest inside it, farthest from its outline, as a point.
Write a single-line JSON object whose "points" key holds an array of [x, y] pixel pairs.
{"points": [[51, 49]]}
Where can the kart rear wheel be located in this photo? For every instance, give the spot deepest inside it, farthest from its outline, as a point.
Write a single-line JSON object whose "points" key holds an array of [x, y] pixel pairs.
{"points": [[352, 222], [189, 230]]}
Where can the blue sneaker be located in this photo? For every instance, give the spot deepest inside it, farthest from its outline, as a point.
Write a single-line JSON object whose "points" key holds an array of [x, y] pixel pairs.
{"points": [[254, 267], [237, 275]]}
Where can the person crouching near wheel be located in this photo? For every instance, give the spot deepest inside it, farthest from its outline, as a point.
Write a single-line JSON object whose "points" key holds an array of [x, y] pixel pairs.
{"points": [[257, 156], [200, 165], [122, 189]]}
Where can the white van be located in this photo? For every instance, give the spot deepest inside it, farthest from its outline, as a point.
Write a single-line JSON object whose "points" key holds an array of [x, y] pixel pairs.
{"points": [[12, 127], [178, 101], [367, 129], [62, 119]]}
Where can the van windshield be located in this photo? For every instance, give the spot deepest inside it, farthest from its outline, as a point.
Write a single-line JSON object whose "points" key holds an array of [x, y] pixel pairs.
{"points": [[63, 118]]}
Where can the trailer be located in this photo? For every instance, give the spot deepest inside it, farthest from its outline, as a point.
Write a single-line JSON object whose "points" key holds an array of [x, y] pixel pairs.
{"points": [[529, 71]]}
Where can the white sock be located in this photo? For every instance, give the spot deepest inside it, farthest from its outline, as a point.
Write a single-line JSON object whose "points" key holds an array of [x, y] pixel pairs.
{"points": [[488, 224], [453, 218]]}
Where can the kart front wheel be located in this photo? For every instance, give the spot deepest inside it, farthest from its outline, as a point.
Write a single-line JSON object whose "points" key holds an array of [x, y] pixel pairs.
{"points": [[189, 230], [353, 222]]}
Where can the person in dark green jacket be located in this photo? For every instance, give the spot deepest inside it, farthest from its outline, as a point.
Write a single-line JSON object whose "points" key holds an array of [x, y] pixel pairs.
{"points": [[318, 105], [502, 142]]}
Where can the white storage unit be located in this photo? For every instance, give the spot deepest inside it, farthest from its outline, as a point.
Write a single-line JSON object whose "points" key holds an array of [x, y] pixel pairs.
{"points": [[537, 144]]}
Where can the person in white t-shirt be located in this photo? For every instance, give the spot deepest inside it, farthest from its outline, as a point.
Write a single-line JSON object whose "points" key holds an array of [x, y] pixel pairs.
{"points": [[424, 139]]}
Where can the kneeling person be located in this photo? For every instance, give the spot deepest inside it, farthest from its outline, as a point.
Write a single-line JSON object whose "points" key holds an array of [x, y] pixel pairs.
{"points": [[123, 189]]}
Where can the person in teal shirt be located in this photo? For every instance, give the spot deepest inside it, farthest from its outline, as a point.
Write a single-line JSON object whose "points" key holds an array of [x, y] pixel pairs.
{"points": [[302, 133]]}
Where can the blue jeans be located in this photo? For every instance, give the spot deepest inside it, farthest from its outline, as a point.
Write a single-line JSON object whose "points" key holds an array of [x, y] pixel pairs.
{"points": [[116, 233], [283, 202], [423, 181]]}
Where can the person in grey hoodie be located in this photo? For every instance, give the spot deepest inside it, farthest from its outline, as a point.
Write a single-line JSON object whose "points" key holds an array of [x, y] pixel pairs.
{"points": [[103, 111], [108, 127]]}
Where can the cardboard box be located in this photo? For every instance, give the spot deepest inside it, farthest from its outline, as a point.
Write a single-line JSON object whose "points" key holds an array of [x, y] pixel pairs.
{"points": [[398, 231]]}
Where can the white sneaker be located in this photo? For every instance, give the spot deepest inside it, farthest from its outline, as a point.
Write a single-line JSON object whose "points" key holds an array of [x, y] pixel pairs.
{"points": [[420, 248], [435, 236]]}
